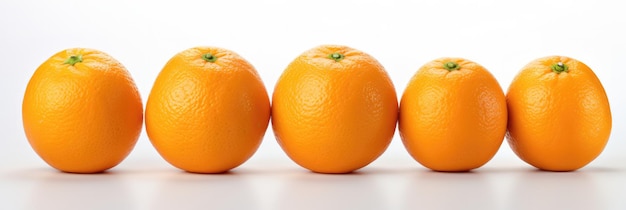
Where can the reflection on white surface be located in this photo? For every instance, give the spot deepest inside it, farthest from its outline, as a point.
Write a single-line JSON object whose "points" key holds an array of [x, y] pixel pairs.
{"points": [[555, 190], [313, 191], [57, 190], [203, 191], [439, 190], [276, 185]]}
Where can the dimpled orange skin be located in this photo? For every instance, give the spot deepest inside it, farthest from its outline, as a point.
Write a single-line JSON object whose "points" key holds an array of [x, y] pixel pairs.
{"points": [[557, 121], [207, 117], [82, 118], [452, 120], [334, 116]]}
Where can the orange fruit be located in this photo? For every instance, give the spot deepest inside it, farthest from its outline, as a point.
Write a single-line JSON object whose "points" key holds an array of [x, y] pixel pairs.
{"points": [[453, 115], [207, 111], [82, 112], [334, 109], [559, 114]]}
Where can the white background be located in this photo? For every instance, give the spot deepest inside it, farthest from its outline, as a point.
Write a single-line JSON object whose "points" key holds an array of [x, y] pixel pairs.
{"points": [[402, 35]]}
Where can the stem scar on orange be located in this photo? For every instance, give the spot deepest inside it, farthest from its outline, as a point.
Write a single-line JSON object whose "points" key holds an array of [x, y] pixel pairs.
{"points": [[559, 114], [207, 111], [453, 115], [82, 112], [334, 109]]}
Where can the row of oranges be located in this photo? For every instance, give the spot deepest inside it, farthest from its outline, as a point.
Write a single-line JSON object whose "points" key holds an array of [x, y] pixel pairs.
{"points": [[334, 110]]}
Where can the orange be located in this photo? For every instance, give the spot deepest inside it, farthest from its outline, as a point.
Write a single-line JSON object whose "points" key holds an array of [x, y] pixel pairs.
{"points": [[453, 115], [208, 110], [334, 109], [82, 112], [559, 114]]}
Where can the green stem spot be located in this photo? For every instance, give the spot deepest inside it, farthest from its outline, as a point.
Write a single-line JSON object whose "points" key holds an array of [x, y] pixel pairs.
{"points": [[559, 67], [209, 57], [336, 56], [74, 59], [451, 66]]}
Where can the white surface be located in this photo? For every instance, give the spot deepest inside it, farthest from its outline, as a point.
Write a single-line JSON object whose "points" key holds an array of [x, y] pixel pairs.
{"points": [[402, 35], [389, 183]]}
